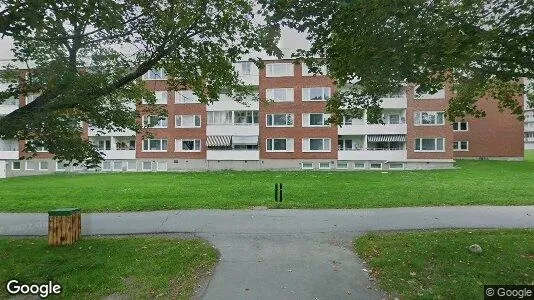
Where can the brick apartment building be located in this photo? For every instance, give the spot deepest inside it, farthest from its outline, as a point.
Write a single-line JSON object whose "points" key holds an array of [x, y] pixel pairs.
{"points": [[289, 131]]}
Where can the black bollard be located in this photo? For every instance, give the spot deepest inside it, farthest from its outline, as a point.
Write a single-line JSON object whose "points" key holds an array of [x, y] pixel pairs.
{"points": [[276, 192], [281, 193]]}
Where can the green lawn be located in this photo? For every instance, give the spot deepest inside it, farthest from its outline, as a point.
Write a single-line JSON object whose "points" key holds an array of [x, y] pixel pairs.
{"points": [[474, 182], [136, 268], [438, 265]]}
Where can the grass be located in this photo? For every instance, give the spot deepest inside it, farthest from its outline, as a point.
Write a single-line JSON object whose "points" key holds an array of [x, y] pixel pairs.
{"points": [[438, 265], [474, 182], [136, 268]]}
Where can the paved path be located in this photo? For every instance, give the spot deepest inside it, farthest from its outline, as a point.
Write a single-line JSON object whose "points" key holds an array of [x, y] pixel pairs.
{"points": [[285, 254]]}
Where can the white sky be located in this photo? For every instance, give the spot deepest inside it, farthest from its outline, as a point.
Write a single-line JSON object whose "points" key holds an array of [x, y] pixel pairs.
{"points": [[290, 41]]}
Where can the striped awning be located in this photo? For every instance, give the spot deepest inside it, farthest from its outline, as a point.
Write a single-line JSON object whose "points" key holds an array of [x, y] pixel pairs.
{"points": [[219, 140], [387, 138]]}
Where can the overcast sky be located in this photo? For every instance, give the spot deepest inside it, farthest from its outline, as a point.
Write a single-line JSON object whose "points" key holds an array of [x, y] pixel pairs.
{"points": [[290, 41]]}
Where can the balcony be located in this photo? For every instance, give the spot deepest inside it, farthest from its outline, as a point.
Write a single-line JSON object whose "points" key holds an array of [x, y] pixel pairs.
{"points": [[233, 155], [369, 154], [9, 149], [241, 129], [397, 103], [372, 129], [118, 154], [93, 131]]}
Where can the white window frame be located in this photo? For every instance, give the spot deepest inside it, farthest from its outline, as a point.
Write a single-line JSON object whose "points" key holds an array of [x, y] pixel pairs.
{"points": [[419, 140], [306, 120], [346, 163], [253, 114], [356, 163], [178, 147], [181, 117], [396, 163], [161, 144], [456, 146], [185, 97], [162, 97], [225, 113], [324, 90], [306, 144], [418, 118], [375, 163], [129, 163], [13, 166], [289, 69], [41, 167], [159, 124], [289, 95], [161, 71], [306, 163], [306, 71], [30, 169], [287, 117], [458, 124], [113, 165], [290, 144], [143, 166], [321, 167], [104, 165]]}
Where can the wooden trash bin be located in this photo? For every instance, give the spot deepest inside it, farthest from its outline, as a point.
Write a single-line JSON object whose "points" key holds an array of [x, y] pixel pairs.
{"points": [[64, 226]]}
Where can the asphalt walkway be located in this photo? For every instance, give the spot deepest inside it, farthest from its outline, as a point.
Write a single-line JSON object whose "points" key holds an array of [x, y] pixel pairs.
{"points": [[284, 254]]}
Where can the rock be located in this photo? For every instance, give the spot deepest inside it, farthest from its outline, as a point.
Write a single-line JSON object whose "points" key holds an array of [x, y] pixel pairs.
{"points": [[475, 248]]}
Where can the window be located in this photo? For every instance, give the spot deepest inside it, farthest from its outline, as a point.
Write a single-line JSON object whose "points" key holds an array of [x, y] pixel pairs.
{"points": [[315, 94], [37, 145], [306, 71], [219, 117], [396, 166], [15, 165], [280, 95], [186, 96], [30, 165], [161, 97], [346, 121], [117, 165], [342, 165], [359, 165], [346, 144], [157, 145], [306, 166], [429, 145], [43, 165], [460, 126], [279, 69], [394, 119], [315, 145], [157, 74], [315, 119], [147, 166], [132, 166], [104, 145], [246, 68], [187, 121], [282, 145], [246, 117], [189, 145], [324, 166], [429, 118], [376, 166], [155, 122], [461, 146], [106, 165], [282, 120]]}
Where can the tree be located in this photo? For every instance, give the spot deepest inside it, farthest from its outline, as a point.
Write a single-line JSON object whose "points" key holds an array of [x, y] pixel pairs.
{"points": [[84, 59], [373, 47]]}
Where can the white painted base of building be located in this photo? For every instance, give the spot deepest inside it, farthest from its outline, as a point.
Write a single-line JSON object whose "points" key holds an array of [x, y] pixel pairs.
{"points": [[201, 165], [520, 158]]}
